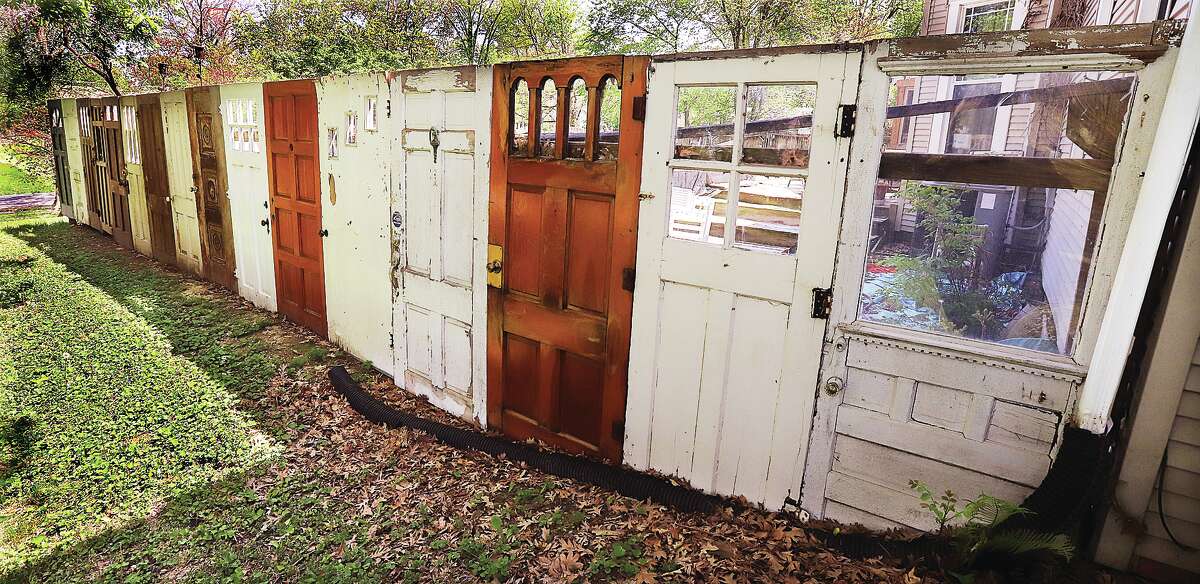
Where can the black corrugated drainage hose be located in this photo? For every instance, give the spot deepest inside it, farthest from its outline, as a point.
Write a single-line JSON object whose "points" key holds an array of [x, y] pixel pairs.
{"points": [[622, 480]]}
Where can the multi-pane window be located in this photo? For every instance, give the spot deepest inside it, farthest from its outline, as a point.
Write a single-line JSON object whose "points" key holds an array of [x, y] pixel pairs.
{"points": [[331, 135], [129, 127], [241, 116], [990, 17], [741, 159]]}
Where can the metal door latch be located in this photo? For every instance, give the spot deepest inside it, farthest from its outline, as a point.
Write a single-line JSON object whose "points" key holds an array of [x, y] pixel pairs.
{"points": [[434, 142], [644, 196], [323, 233], [495, 266], [822, 302]]}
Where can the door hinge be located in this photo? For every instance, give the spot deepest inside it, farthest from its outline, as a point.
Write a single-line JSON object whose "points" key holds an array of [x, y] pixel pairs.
{"points": [[389, 108], [847, 119], [628, 275], [822, 302], [618, 430], [639, 108]]}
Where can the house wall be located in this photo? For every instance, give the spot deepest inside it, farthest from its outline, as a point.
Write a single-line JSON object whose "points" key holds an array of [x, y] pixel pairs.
{"points": [[139, 217], [177, 141], [355, 198], [70, 111], [1069, 213], [246, 166]]}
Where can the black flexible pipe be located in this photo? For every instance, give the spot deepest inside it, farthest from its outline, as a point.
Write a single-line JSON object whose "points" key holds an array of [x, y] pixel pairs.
{"points": [[622, 480]]}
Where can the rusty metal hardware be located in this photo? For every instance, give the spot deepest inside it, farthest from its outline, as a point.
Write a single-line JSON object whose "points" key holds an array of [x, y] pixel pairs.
{"points": [[434, 142], [834, 385]]}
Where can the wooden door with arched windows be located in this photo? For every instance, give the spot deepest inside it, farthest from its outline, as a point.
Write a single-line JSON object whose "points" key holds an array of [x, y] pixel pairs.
{"points": [[562, 233]]}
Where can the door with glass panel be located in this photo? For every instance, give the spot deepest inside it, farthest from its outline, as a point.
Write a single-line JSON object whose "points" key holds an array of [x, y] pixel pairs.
{"points": [[742, 182]]}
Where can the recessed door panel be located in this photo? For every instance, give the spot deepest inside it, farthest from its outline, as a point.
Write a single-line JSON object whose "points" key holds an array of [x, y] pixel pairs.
{"points": [[177, 139], [208, 164], [154, 170]]}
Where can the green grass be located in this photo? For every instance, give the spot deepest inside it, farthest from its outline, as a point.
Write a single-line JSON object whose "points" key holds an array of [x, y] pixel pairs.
{"points": [[15, 181]]}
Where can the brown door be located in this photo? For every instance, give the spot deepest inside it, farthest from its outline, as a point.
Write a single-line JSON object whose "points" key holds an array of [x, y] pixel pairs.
{"points": [[294, 172], [212, 201], [564, 220], [111, 157], [58, 140], [154, 167], [93, 173]]}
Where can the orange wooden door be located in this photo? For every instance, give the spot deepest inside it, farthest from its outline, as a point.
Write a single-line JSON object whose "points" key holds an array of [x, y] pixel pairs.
{"points": [[212, 202], [563, 227], [294, 174]]}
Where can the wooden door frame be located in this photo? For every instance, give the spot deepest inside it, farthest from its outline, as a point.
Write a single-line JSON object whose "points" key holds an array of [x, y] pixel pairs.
{"points": [[634, 71], [118, 190], [307, 86], [58, 149]]}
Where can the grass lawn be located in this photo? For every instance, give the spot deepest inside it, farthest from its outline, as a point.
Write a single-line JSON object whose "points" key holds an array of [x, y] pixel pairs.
{"points": [[14, 181], [156, 428]]}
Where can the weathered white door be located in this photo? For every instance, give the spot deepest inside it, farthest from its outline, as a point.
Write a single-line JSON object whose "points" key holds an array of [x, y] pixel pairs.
{"points": [[179, 173], [439, 232], [726, 350], [139, 218], [246, 160]]}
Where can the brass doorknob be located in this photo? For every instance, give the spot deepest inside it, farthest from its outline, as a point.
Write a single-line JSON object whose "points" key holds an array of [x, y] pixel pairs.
{"points": [[494, 267]]}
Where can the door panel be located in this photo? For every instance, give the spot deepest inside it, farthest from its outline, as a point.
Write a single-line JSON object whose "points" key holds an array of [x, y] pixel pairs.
{"points": [[177, 138], [726, 353], [437, 235], [111, 173], [559, 322], [208, 166], [62, 167], [97, 199], [135, 176], [154, 169], [291, 116], [249, 202]]}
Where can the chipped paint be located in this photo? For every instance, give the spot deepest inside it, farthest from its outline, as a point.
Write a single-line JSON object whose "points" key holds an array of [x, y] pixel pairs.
{"points": [[449, 78]]}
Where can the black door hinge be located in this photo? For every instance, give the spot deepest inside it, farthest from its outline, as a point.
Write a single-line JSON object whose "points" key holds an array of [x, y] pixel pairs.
{"points": [[847, 119], [822, 302], [618, 430], [628, 275], [639, 108], [389, 108]]}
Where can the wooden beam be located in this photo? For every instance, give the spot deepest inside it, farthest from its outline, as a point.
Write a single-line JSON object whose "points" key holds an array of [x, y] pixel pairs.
{"points": [[1086, 174]]}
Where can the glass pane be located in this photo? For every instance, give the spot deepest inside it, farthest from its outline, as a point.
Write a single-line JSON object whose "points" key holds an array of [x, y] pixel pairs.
{"points": [[520, 119], [768, 213], [993, 17], [704, 123], [549, 119], [778, 124], [1009, 115], [610, 119], [698, 205], [577, 103]]}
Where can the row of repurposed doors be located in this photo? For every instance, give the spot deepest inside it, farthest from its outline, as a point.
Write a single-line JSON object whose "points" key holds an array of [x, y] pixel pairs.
{"points": [[187, 212]]}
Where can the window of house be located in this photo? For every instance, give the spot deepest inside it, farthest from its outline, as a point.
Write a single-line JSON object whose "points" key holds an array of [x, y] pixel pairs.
{"points": [[994, 244], [370, 119], [750, 174], [989, 17]]}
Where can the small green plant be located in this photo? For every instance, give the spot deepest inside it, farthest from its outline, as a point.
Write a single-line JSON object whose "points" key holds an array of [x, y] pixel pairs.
{"points": [[623, 557], [978, 535]]}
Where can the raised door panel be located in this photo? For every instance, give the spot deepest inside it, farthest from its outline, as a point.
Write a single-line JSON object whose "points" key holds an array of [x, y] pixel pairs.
{"points": [[437, 236], [177, 139], [208, 160]]}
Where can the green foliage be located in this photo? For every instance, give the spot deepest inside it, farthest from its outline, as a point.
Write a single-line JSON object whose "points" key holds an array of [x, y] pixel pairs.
{"points": [[621, 558], [977, 532], [14, 180]]}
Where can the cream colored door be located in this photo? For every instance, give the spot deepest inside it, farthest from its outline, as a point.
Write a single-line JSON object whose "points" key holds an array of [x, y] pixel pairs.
{"points": [[179, 172], [246, 162], [726, 350], [438, 230]]}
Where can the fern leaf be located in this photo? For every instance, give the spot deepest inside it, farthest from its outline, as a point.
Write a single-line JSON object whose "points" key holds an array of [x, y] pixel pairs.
{"points": [[1021, 541]]}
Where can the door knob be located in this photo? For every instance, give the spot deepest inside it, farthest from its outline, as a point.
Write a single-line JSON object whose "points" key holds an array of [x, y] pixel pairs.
{"points": [[264, 223], [323, 233], [495, 266]]}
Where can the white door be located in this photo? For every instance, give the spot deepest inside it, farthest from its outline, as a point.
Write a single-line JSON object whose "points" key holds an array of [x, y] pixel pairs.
{"points": [[178, 144], [726, 352], [246, 160], [439, 232]]}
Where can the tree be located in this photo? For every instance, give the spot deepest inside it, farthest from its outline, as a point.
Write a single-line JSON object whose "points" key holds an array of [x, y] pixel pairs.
{"points": [[537, 28], [100, 35], [186, 25], [644, 26], [471, 28]]}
